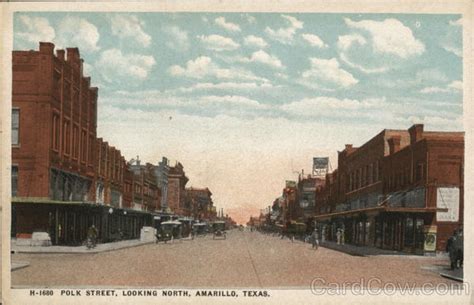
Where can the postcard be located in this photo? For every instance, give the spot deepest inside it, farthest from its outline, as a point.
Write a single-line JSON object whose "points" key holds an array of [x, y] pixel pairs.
{"points": [[236, 152]]}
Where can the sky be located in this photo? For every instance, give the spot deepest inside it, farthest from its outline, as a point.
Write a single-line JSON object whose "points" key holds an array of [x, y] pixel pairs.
{"points": [[245, 100]]}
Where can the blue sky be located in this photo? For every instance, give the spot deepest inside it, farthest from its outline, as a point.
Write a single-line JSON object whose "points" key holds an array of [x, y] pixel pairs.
{"points": [[243, 99]]}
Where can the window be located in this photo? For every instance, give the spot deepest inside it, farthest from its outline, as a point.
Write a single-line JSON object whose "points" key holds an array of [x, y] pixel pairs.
{"points": [[14, 181], [75, 142], [420, 171], [66, 142], [91, 141], [55, 139], [15, 126], [83, 146]]}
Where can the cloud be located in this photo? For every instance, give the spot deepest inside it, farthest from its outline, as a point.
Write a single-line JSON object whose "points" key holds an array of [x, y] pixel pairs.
{"points": [[314, 41], [327, 73], [250, 19], [260, 57], [130, 27], [229, 100], [328, 106], [228, 86], [285, 35], [232, 27], [35, 29], [178, 39], [389, 36], [113, 64], [255, 41], [452, 41], [454, 86], [457, 22], [78, 32], [377, 46], [218, 43], [203, 66]]}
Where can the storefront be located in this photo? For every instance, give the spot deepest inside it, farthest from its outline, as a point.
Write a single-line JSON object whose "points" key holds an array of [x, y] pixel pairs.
{"points": [[67, 223], [399, 229]]}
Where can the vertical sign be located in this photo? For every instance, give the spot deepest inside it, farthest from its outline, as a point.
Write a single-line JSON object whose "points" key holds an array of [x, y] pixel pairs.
{"points": [[320, 166], [448, 198]]}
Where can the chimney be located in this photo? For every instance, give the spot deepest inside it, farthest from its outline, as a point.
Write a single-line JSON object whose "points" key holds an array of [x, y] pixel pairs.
{"points": [[348, 146], [73, 55], [416, 133], [394, 144], [46, 47], [60, 54]]}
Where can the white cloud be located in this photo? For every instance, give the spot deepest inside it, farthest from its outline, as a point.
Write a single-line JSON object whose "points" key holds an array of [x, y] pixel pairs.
{"points": [[285, 35], [78, 32], [261, 57], [229, 26], [451, 87], [314, 41], [344, 42], [255, 41], [218, 43], [228, 86], [114, 63], [333, 107], [456, 85], [229, 100], [203, 66], [35, 29], [456, 22], [178, 39], [389, 36], [249, 18], [130, 27], [328, 73]]}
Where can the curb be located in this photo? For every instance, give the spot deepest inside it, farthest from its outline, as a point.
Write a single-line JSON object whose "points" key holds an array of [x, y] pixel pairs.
{"points": [[81, 251]]}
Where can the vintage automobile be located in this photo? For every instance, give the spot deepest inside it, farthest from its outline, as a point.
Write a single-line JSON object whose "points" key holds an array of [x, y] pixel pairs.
{"points": [[294, 230], [218, 228], [199, 229], [168, 231]]}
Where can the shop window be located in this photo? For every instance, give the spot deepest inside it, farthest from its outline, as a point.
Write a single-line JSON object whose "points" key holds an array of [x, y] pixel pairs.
{"points": [[409, 230], [14, 181], [15, 126]]}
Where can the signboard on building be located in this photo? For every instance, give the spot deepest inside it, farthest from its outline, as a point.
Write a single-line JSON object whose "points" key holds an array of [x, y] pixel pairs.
{"points": [[290, 183], [430, 238], [320, 166], [448, 198]]}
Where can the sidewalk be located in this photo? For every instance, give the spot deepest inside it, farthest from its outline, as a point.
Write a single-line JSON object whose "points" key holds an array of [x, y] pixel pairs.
{"points": [[19, 265], [79, 249], [363, 250]]}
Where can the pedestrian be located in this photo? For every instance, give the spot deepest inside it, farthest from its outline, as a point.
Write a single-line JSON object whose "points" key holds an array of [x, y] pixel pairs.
{"points": [[338, 236], [92, 236], [315, 239]]}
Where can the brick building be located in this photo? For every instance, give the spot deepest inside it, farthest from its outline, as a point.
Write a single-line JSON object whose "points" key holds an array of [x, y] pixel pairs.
{"points": [[199, 203], [57, 159], [389, 192], [176, 189]]}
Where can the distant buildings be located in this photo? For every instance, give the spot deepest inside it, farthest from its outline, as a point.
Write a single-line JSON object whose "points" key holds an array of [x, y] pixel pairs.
{"points": [[402, 190], [64, 178]]}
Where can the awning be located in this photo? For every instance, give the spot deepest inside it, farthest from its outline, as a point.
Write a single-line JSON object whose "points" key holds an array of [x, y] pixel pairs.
{"points": [[380, 209]]}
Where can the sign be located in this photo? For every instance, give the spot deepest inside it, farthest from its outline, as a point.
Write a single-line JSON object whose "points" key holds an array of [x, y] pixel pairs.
{"points": [[320, 163], [290, 183], [430, 238], [320, 166], [448, 198]]}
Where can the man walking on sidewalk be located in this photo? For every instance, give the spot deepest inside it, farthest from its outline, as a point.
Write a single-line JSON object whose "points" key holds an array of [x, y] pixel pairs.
{"points": [[315, 239]]}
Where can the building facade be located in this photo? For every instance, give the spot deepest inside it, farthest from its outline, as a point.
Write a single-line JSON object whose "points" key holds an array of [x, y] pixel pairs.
{"points": [[396, 190]]}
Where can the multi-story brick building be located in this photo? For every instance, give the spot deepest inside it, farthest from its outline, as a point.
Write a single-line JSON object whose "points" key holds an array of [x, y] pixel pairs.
{"points": [[389, 192], [176, 189], [198, 203], [57, 159]]}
